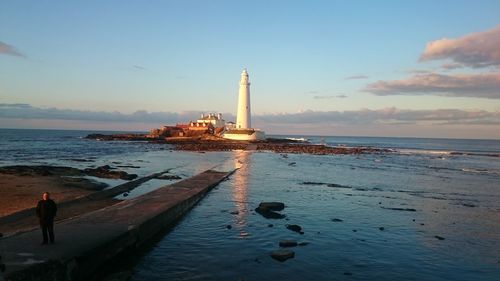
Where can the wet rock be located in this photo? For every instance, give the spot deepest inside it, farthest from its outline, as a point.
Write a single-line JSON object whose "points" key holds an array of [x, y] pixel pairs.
{"points": [[40, 170], [347, 273], [269, 225], [234, 212], [337, 220], [469, 205], [269, 214], [313, 183], [400, 209], [229, 226], [303, 243], [169, 177], [106, 172], [354, 230], [337, 185], [267, 210], [288, 243], [292, 164], [295, 228], [273, 206], [439, 237], [282, 255], [125, 194], [128, 166], [381, 228]]}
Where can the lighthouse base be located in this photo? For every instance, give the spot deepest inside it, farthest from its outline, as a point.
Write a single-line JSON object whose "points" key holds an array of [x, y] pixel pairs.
{"points": [[244, 134]]}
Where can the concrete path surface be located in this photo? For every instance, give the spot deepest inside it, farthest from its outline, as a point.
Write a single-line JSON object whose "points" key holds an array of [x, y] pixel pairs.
{"points": [[86, 242]]}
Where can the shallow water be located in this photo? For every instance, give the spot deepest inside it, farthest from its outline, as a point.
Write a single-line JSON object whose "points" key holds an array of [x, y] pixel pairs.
{"points": [[463, 208], [456, 197]]}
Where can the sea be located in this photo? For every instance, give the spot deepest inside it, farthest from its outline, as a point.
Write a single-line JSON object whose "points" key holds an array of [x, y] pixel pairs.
{"points": [[426, 209]]}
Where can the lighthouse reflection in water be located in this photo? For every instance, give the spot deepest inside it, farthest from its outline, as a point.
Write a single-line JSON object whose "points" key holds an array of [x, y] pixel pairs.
{"points": [[239, 190]]}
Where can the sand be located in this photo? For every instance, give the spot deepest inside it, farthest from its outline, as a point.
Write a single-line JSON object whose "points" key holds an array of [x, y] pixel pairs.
{"points": [[22, 192], [19, 194]]}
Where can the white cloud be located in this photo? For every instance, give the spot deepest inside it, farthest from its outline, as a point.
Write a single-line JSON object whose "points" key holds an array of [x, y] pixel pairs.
{"points": [[485, 85], [479, 49]]}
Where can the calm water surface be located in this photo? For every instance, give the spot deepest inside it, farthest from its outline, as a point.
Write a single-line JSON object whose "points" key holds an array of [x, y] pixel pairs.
{"points": [[456, 197]]}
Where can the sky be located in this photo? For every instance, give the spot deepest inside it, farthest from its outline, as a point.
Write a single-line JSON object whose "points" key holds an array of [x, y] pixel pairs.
{"points": [[358, 68]]}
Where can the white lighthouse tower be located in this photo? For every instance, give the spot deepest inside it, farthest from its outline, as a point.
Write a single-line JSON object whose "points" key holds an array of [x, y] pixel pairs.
{"points": [[243, 119], [243, 129]]}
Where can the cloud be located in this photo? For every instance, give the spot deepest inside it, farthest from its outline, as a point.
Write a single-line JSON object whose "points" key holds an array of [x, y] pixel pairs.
{"points": [[390, 115], [486, 85], [392, 121], [26, 111], [479, 49], [357, 77], [7, 49], [329, 97], [450, 66], [386, 116]]}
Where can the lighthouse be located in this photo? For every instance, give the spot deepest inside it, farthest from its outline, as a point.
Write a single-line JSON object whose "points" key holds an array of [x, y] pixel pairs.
{"points": [[243, 119], [243, 128]]}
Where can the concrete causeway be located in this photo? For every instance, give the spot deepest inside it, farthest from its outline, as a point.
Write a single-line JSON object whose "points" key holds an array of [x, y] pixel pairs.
{"points": [[86, 242]]}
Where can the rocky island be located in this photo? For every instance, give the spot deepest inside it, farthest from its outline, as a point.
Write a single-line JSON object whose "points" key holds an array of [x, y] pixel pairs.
{"points": [[209, 142]]}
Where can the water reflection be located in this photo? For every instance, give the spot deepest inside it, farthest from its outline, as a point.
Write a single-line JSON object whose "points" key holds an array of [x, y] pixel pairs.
{"points": [[239, 190]]}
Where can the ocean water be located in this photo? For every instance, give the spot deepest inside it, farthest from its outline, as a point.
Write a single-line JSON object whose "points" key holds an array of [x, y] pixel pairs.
{"points": [[395, 208]]}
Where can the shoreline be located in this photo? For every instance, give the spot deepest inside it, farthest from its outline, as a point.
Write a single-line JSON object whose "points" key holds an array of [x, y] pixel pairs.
{"points": [[23, 186]]}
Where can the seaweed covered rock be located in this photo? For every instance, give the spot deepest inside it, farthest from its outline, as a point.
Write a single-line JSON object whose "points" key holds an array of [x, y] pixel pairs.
{"points": [[268, 210], [107, 172], [282, 255]]}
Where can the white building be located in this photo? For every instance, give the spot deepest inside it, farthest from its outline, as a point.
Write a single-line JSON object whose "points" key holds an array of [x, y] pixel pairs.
{"points": [[244, 130], [212, 118]]}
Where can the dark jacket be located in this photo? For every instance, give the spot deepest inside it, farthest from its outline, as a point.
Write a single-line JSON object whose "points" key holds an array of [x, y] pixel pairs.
{"points": [[46, 210]]}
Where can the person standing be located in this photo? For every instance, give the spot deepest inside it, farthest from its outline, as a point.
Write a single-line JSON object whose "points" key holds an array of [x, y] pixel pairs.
{"points": [[46, 210]]}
